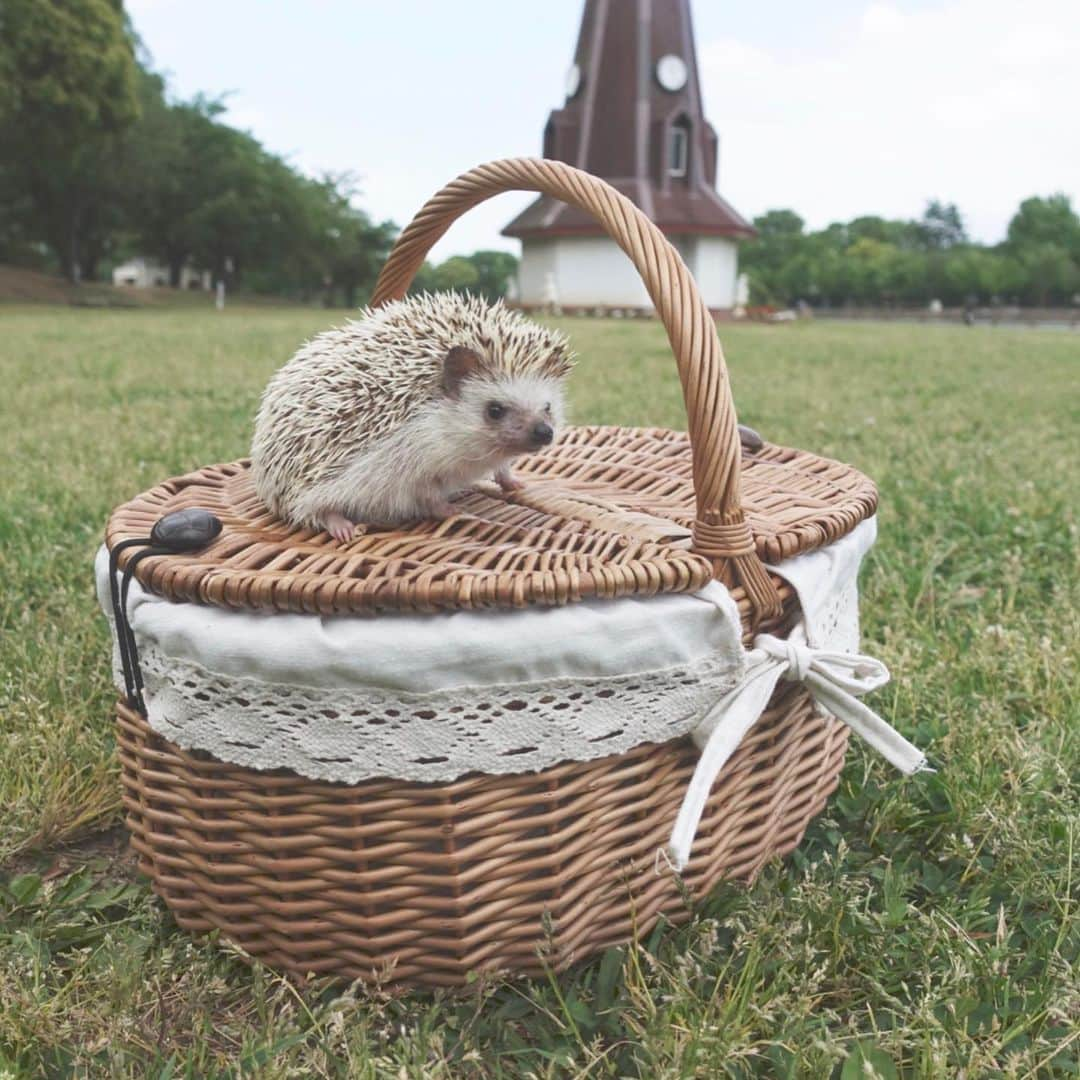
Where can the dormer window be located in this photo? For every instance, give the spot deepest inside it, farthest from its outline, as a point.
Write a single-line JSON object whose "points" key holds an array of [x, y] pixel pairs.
{"points": [[679, 149]]}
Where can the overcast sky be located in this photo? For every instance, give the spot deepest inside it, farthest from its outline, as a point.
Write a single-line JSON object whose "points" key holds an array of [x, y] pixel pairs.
{"points": [[833, 109]]}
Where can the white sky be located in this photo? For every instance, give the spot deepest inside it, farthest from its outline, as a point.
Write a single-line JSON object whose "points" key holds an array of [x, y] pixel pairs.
{"points": [[833, 109]]}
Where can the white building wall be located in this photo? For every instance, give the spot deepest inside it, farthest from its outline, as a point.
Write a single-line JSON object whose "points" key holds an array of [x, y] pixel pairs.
{"points": [[593, 271], [715, 266], [537, 261], [142, 273], [589, 271]]}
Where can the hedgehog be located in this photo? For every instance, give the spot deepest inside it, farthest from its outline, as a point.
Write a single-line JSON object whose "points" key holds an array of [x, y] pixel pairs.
{"points": [[380, 421]]}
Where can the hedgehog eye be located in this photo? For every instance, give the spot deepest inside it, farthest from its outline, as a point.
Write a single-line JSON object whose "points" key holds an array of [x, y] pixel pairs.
{"points": [[547, 408], [495, 410]]}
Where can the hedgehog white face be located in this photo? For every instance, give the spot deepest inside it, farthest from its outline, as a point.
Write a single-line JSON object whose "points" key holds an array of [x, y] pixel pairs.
{"points": [[510, 415], [519, 415]]}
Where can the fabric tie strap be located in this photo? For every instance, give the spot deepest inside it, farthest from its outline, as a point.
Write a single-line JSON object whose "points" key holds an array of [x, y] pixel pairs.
{"points": [[834, 679]]}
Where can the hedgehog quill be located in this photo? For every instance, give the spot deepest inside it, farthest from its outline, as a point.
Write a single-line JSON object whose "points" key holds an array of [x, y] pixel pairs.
{"points": [[382, 420]]}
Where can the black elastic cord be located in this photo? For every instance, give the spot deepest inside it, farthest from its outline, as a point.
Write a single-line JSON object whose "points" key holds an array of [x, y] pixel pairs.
{"points": [[133, 651], [125, 640]]}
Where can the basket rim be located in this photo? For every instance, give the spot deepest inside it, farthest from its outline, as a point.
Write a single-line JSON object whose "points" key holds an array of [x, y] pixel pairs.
{"points": [[564, 539]]}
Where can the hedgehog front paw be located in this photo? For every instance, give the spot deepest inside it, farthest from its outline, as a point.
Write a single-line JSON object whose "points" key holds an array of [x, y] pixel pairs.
{"points": [[340, 527], [506, 479], [441, 509]]}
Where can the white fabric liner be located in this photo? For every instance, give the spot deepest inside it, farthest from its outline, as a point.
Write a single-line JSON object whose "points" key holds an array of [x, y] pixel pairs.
{"points": [[431, 697], [434, 697], [422, 654]]}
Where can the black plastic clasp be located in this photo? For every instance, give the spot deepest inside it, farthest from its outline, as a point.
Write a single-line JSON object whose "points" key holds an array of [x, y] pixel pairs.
{"points": [[185, 530], [749, 439]]}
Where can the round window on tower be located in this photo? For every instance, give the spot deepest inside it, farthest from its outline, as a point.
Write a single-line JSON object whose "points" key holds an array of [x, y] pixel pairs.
{"points": [[671, 72], [573, 81]]}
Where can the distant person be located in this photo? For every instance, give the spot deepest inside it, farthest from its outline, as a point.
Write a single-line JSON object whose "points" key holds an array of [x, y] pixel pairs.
{"points": [[969, 309]]}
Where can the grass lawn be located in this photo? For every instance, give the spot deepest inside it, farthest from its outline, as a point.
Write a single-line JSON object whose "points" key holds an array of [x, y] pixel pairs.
{"points": [[928, 924]]}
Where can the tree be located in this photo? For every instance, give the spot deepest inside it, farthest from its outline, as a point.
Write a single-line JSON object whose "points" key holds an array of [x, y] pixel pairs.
{"points": [[494, 270], [878, 229], [8, 69], [360, 249], [167, 169], [423, 280], [17, 232], [941, 227], [339, 243], [871, 265], [238, 223], [779, 237], [872, 259], [778, 224], [1002, 276], [1052, 276], [97, 158], [1050, 220], [67, 94], [1044, 239], [457, 273], [483, 273], [205, 192], [213, 195]]}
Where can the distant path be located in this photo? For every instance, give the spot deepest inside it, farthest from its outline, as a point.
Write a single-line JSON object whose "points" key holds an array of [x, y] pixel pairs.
{"points": [[1011, 317], [990, 324]]}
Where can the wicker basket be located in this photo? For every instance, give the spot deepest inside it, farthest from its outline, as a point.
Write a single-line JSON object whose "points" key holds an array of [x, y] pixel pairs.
{"points": [[425, 883]]}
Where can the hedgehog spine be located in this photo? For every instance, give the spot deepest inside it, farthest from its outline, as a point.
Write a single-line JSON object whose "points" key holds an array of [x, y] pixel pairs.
{"points": [[381, 420]]}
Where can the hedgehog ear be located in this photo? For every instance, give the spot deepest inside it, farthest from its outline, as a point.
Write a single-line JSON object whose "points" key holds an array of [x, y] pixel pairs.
{"points": [[460, 362]]}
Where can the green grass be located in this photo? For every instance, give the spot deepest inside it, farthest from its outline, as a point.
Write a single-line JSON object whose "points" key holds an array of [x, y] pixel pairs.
{"points": [[930, 923]]}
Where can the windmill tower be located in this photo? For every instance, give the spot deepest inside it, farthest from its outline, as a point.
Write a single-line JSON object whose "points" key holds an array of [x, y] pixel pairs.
{"points": [[632, 115]]}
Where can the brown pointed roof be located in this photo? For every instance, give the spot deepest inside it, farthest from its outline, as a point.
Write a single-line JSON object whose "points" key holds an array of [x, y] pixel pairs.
{"points": [[617, 124]]}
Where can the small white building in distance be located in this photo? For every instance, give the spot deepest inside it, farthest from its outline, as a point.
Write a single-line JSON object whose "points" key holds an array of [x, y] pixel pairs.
{"points": [[633, 116], [143, 273]]}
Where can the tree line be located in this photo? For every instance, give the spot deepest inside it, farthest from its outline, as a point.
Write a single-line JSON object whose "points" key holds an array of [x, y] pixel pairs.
{"points": [[875, 261], [98, 162]]}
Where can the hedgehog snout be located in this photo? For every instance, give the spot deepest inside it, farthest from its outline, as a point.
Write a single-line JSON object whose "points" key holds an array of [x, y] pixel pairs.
{"points": [[527, 432], [542, 434], [520, 430]]}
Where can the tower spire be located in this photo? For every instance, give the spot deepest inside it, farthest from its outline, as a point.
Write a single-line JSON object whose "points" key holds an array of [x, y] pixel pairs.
{"points": [[633, 115]]}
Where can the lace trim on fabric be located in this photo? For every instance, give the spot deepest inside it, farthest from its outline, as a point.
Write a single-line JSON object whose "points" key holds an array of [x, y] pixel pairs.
{"points": [[354, 735]]}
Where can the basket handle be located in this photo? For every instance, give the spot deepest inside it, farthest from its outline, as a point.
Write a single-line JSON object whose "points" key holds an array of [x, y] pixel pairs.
{"points": [[721, 532]]}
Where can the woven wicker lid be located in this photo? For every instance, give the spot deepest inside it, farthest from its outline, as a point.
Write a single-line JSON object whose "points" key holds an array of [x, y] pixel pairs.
{"points": [[605, 512]]}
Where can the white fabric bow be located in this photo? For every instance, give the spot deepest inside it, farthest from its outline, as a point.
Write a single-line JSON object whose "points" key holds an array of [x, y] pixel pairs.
{"points": [[834, 679]]}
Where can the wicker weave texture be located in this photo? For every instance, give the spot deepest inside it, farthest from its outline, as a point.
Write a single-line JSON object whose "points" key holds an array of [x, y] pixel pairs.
{"points": [[423, 884], [606, 512]]}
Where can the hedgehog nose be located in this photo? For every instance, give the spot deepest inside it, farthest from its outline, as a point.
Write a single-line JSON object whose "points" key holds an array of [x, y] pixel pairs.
{"points": [[542, 434]]}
